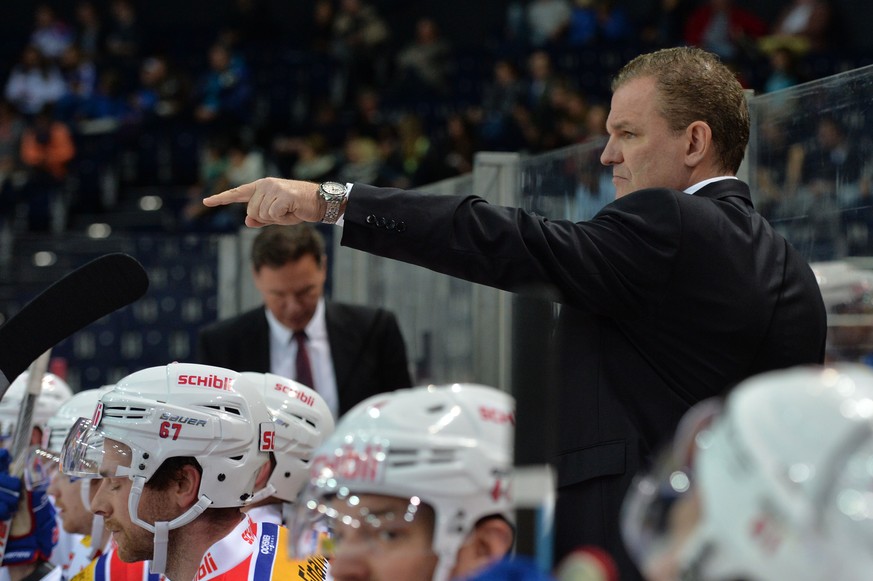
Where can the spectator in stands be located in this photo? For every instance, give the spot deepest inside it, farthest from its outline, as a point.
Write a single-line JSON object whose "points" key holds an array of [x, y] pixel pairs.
{"points": [[451, 152], [11, 176], [34, 82], [360, 44], [212, 167], [368, 115], [500, 96], [804, 25], [361, 159], [320, 28], [163, 90], [825, 173], [124, 40], [784, 71], [423, 66], [46, 151], [51, 36], [722, 27], [225, 93], [315, 161], [547, 21], [541, 81], [80, 78], [90, 34], [596, 22], [251, 22], [663, 25]]}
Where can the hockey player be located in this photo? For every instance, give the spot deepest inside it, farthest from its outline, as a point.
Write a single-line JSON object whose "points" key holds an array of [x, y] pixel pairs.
{"points": [[34, 531], [775, 484], [414, 484], [178, 449], [303, 421]]}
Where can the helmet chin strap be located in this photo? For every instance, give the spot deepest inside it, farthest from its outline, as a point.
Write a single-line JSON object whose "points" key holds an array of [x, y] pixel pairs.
{"points": [[266, 492], [161, 529]]}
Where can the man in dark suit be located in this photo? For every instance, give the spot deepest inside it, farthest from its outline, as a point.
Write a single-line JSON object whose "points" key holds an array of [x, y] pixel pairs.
{"points": [[352, 351], [671, 294]]}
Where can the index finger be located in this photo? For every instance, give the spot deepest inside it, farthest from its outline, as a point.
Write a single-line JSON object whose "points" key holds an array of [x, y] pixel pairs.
{"points": [[241, 194]]}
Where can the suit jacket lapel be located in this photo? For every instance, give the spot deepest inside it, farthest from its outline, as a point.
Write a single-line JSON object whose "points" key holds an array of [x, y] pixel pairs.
{"points": [[261, 342], [344, 343]]}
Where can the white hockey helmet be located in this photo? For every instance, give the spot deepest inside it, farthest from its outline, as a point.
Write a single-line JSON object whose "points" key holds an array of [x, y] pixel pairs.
{"points": [[777, 486], [448, 446], [57, 428], [303, 421], [80, 405], [847, 292], [177, 410], [52, 396]]}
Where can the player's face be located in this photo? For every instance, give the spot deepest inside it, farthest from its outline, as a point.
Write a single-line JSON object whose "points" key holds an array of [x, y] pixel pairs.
{"points": [[642, 149], [292, 291], [67, 493], [396, 549], [110, 501]]}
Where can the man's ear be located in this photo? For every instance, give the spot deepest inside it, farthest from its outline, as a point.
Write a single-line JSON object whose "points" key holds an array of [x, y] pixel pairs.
{"points": [[36, 436], [700, 145], [490, 541], [264, 473], [186, 486]]}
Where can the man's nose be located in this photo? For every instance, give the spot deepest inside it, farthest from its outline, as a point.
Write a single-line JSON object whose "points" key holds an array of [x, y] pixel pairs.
{"points": [[98, 504], [349, 566], [611, 154]]}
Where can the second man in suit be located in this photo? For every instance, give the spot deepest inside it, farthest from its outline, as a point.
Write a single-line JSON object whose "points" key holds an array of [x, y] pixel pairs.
{"points": [[345, 352]]}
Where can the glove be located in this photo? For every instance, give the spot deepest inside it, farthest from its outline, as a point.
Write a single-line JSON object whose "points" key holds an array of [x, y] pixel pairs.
{"points": [[34, 528], [10, 488]]}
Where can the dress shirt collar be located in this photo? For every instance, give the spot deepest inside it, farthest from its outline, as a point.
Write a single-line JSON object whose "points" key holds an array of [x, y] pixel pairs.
{"points": [[704, 183], [316, 329]]}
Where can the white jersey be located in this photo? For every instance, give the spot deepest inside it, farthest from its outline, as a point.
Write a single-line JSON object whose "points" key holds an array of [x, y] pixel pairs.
{"points": [[80, 556], [256, 552], [267, 513]]}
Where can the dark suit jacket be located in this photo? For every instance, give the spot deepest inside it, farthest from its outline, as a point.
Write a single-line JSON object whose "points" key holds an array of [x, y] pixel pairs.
{"points": [[368, 352], [668, 299]]}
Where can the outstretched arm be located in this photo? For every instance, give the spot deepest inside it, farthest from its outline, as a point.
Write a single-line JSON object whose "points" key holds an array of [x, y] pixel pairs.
{"points": [[275, 201]]}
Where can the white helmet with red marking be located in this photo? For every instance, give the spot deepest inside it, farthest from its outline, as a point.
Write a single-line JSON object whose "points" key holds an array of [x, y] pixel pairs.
{"points": [[53, 393], [303, 421], [449, 447], [176, 410], [776, 484]]}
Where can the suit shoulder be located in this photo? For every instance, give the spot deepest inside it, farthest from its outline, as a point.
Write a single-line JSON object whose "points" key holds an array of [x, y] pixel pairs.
{"points": [[364, 314], [249, 319]]}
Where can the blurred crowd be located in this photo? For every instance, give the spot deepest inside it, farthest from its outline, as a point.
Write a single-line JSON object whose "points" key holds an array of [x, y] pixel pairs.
{"points": [[94, 115]]}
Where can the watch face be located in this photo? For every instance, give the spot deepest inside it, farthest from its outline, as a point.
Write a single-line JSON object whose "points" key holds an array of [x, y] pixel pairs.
{"points": [[333, 188]]}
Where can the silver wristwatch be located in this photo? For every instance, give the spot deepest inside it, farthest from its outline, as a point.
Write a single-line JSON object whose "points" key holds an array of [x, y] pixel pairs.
{"points": [[333, 193]]}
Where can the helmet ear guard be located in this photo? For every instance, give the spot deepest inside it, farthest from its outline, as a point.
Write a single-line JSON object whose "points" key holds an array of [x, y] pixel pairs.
{"points": [[447, 447], [302, 421]]}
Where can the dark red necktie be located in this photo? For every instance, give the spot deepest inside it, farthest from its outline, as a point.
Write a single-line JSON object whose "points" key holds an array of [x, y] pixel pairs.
{"points": [[302, 367]]}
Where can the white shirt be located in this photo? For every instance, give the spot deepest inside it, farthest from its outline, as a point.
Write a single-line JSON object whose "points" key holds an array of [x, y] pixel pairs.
{"points": [[283, 353], [700, 185]]}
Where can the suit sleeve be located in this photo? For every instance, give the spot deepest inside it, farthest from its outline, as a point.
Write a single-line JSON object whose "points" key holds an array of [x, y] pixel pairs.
{"points": [[615, 264]]}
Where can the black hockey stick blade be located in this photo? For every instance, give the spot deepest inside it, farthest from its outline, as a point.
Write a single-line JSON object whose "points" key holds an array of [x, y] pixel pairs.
{"points": [[83, 296]]}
